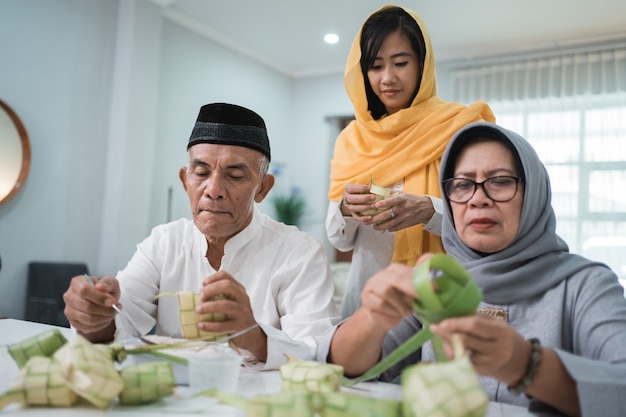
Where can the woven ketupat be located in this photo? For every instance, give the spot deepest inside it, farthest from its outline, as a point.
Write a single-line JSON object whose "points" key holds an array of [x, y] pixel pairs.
{"points": [[309, 404], [446, 389], [342, 404], [43, 344], [187, 302], [39, 383], [89, 371], [147, 382], [283, 404], [298, 375]]}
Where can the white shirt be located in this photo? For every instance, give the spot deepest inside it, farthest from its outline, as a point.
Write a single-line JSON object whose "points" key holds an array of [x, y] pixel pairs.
{"points": [[284, 270], [372, 249]]}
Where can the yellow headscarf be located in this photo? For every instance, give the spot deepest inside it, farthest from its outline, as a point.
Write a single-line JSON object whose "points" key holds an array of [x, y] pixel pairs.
{"points": [[406, 145]]}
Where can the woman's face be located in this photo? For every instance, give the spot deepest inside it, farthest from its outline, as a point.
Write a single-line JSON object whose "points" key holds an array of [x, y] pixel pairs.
{"points": [[395, 72], [481, 223]]}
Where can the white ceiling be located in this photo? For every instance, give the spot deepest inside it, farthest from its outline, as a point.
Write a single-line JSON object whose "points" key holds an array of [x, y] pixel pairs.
{"points": [[287, 34]]}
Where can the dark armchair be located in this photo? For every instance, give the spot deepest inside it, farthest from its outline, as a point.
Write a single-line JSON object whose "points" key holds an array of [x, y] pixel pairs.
{"points": [[47, 281]]}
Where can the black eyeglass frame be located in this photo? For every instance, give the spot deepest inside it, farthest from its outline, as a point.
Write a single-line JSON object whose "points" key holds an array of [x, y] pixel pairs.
{"points": [[482, 184]]}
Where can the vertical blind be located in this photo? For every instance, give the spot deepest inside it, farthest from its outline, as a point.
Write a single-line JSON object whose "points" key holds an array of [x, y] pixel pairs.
{"points": [[595, 72], [571, 106]]}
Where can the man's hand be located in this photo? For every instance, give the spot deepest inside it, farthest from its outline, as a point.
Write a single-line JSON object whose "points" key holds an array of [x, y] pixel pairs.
{"points": [[88, 307], [237, 310]]}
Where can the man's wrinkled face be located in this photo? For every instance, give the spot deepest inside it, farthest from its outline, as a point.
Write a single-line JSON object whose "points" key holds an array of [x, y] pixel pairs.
{"points": [[223, 182]]}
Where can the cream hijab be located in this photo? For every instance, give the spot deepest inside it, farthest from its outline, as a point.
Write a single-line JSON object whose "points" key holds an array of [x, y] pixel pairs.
{"points": [[406, 145], [538, 258]]}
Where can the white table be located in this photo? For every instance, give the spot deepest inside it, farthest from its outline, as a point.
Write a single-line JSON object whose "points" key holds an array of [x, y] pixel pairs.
{"points": [[250, 384]]}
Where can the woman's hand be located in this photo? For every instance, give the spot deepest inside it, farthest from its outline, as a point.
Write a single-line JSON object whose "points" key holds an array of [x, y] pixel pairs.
{"points": [[356, 199], [401, 210], [496, 348], [386, 300], [388, 296]]}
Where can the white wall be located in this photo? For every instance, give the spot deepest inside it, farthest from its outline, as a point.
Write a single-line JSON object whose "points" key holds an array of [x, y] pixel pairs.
{"points": [[131, 135], [54, 74], [315, 100]]}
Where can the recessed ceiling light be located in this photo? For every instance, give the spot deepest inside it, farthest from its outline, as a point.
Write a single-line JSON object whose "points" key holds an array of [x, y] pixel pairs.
{"points": [[331, 38]]}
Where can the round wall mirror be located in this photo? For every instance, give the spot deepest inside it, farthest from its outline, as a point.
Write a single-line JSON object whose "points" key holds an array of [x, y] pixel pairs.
{"points": [[14, 153]]}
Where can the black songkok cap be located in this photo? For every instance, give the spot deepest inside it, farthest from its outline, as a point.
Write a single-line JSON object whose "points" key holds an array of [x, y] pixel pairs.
{"points": [[228, 124]]}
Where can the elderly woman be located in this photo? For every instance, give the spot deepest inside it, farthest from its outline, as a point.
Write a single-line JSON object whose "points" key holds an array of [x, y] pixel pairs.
{"points": [[551, 329]]}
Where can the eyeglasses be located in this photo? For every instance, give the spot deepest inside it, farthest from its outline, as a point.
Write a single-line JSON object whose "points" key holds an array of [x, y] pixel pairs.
{"points": [[500, 189]]}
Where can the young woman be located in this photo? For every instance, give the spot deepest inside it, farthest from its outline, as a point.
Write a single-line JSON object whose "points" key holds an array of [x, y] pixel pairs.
{"points": [[551, 328], [397, 140]]}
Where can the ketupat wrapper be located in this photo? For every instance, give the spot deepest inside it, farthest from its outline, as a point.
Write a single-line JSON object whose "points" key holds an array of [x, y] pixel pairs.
{"points": [[39, 383], [283, 404], [187, 302], [147, 382], [43, 344], [223, 397], [309, 404], [456, 294], [89, 371], [381, 193], [352, 405], [450, 389], [299, 375]]}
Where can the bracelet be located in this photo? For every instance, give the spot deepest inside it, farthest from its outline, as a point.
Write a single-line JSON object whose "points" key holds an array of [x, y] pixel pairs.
{"points": [[531, 369]]}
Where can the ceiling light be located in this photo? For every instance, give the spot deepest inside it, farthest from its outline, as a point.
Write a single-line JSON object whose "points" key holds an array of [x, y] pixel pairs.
{"points": [[331, 38]]}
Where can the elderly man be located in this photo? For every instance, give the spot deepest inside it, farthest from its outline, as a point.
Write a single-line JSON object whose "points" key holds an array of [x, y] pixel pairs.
{"points": [[266, 272]]}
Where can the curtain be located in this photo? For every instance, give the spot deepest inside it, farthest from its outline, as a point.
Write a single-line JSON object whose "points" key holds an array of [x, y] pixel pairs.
{"points": [[571, 106]]}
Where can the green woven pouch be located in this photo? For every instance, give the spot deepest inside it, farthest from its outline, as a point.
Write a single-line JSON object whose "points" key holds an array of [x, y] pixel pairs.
{"points": [[450, 389], [283, 404], [147, 382], [39, 383], [353, 405], [299, 375], [43, 344], [89, 371]]}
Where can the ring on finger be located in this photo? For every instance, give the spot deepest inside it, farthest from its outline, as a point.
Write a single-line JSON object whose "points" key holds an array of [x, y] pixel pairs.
{"points": [[393, 215]]}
